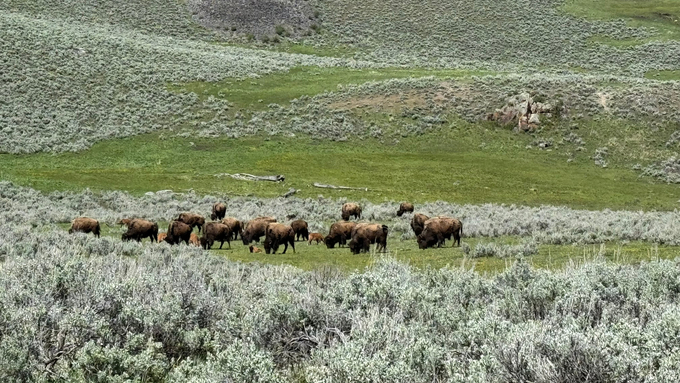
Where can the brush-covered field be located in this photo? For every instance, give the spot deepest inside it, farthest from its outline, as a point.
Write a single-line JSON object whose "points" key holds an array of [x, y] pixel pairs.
{"points": [[550, 129]]}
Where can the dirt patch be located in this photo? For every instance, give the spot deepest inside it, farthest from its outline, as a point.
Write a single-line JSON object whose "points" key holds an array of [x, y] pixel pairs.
{"points": [[257, 17]]}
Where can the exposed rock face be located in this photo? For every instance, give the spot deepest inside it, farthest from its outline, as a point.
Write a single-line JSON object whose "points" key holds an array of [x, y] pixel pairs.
{"points": [[523, 111], [259, 17]]}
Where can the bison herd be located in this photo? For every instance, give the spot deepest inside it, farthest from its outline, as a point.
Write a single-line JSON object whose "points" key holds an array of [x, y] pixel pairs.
{"points": [[358, 236]]}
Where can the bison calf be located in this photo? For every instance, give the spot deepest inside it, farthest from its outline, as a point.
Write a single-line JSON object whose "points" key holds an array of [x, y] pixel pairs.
{"points": [[85, 225], [315, 237], [254, 249]]}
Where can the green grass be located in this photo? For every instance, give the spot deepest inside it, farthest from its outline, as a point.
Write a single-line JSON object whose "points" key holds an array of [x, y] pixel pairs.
{"points": [[664, 15], [282, 87], [619, 43], [468, 163], [663, 75], [311, 257]]}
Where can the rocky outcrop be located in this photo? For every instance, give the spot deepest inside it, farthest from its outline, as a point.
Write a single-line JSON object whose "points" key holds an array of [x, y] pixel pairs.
{"points": [[523, 112]]}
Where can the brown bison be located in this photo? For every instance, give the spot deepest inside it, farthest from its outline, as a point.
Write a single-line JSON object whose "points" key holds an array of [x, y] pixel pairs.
{"points": [[234, 224], [193, 220], [351, 210], [315, 237], [161, 237], [255, 229], [140, 228], [255, 249], [215, 231], [194, 240], [404, 207], [437, 230], [300, 229], [417, 223], [277, 234], [178, 231], [219, 210], [364, 234], [85, 225], [125, 221], [339, 233]]}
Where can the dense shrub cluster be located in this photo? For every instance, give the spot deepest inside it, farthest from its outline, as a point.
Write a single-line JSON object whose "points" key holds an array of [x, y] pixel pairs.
{"points": [[434, 32], [83, 308], [545, 224], [75, 83]]}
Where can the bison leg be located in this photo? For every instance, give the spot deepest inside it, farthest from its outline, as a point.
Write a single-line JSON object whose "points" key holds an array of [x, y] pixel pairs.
{"points": [[292, 244]]}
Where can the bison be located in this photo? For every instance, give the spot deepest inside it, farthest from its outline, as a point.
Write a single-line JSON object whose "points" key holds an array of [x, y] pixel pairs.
{"points": [[193, 220], [340, 232], [277, 234], [85, 225], [161, 237], [351, 210], [253, 231], [405, 207], [300, 229], [364, 234], [234, 224], [215, 231], [178, 231], [315, 237], [417, 223], [437, 230], [255, 249], [140, 228], [219, 210], [194, 240]]}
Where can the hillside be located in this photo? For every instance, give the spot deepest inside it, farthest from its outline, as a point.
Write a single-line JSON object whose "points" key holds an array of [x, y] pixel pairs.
{"points": [[551, 129]]}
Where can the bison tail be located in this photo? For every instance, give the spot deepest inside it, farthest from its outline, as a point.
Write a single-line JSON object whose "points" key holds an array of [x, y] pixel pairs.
{"points": [[461, 228]]}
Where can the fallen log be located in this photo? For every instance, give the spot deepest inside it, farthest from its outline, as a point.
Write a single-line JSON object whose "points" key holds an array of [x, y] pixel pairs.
{"points": [[250, 177], [318, 185], [289, 193]]}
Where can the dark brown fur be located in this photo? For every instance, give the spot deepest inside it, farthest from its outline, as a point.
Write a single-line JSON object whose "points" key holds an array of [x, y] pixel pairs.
{"points": [[318, 237], [364, 234], [351, 210], [339, 233], [235, 226], [216, 231], [437, 230], [405, 207], [85, 225], [193, 220], [177, 232], [140, 228], [253, 231], [277, 234], [301, 229], [417, 223], [219, 210]]}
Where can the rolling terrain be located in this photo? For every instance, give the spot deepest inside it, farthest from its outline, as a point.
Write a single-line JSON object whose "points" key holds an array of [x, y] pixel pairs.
{"points": [[551, 129]]}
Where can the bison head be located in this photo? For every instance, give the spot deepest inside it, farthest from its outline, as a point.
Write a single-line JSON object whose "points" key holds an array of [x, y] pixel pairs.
{"points": [[213, 216], [355, 246], [425, 241], [126, 237], [329, 241]]}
